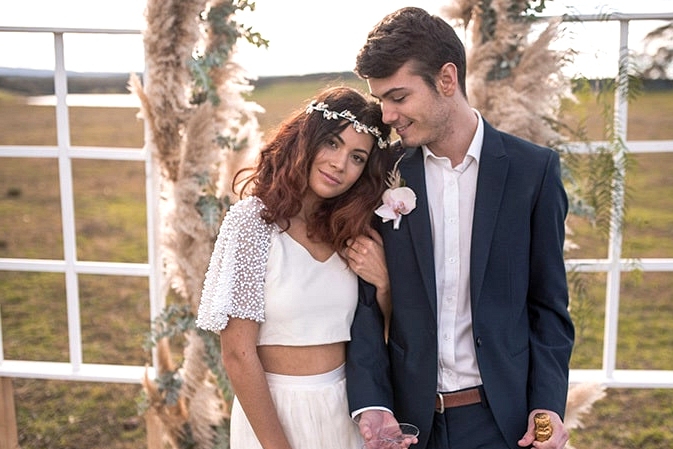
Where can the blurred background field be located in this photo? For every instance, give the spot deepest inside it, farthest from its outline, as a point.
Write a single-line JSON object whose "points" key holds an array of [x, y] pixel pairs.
{"points": [[111, 226]]}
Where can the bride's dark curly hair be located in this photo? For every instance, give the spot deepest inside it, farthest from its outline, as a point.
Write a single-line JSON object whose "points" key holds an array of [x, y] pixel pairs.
{"points": [[280, 178]]}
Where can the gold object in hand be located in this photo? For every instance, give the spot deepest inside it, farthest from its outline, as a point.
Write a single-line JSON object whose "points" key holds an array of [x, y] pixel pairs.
{"points": [[543, 429]]}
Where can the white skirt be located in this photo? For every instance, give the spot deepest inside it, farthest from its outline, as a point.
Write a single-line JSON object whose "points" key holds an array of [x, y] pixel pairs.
{"points": [[313, 411]]}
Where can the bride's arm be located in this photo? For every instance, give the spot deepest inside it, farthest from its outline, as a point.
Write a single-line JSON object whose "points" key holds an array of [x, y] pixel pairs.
{"points": [[239, 357], [366, 257]]}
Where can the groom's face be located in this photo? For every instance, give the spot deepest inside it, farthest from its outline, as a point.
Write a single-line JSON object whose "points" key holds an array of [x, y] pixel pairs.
{"points": [[410, 106]]}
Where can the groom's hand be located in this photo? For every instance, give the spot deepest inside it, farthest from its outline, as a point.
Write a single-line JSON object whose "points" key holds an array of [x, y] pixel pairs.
{"points": [[559, 436], [372, 421]]}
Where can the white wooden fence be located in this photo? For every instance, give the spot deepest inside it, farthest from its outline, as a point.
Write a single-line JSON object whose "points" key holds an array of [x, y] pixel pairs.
{"points": [[76, 370]]}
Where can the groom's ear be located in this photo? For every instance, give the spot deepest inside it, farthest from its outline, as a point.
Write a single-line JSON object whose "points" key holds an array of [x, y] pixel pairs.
{"points": [[447, 79]]}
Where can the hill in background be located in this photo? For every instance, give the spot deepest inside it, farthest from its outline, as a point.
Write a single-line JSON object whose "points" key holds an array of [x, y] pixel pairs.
{"points": [[41, 82]]}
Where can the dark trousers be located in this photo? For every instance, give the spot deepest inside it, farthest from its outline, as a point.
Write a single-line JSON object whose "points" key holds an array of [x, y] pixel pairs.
{"points": [[466, 427]]}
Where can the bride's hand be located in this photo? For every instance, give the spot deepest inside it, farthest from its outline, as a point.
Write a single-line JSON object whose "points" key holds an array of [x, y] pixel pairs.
{"points": [[366, 258]]}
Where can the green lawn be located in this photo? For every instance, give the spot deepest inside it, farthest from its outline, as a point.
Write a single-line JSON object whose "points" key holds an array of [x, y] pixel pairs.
{"points": [[110, 221]]}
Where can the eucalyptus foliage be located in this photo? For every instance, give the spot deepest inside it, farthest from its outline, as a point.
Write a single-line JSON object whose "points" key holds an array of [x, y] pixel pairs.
{"points": [[219, 20], [202, 131]]}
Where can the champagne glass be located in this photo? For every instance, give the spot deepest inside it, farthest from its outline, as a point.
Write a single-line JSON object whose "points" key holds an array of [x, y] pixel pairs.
{"points": [[393, 437]]}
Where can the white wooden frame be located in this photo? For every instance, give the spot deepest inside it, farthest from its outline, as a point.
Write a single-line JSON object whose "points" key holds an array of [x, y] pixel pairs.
{"points": [[76, 370]]}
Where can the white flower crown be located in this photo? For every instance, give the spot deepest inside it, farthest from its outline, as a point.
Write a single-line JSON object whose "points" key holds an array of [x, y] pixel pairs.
{"points": [[347, 115]]}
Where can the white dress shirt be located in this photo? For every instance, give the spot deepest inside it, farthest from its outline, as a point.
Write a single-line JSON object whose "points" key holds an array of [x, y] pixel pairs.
{"points": [[451, 194]]}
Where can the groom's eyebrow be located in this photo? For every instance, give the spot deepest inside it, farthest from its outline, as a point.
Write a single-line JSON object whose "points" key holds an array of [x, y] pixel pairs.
{"points": [[390, 92]]}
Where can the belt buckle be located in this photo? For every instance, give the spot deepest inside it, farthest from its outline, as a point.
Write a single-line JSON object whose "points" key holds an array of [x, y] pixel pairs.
{"points": [[441, 403]]}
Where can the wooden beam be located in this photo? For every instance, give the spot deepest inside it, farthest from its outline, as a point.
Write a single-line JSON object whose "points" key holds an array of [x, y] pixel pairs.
{"points": [[9, 438], [154, 431]]}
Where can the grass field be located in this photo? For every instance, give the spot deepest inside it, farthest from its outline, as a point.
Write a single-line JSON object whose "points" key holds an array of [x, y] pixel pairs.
{"points": [[110, 221]]}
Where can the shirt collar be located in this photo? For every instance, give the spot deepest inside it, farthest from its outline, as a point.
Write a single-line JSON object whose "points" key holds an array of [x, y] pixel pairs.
{"points": [[474, 150]]}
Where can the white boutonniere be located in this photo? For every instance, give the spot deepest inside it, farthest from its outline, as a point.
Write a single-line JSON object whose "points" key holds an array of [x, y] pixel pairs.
{"points": [[397, 200]]}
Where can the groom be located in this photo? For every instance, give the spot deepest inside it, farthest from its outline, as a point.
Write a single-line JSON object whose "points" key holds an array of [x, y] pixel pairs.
{"points": [[480, 337]]}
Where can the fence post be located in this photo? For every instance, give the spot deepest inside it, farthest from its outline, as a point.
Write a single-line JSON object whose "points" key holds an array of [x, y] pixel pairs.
{"points": [[154, 431], [8, 436]]}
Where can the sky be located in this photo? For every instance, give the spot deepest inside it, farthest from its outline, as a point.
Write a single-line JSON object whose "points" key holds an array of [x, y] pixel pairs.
{"points": [[306, 36]]}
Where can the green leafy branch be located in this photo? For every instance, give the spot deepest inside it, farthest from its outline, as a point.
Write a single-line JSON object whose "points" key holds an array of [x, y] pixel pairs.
{"points": [[219, 21], [173, 322]]}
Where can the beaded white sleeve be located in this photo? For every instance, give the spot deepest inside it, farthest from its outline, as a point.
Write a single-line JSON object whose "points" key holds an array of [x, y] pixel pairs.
{"points": [[234, 282]]}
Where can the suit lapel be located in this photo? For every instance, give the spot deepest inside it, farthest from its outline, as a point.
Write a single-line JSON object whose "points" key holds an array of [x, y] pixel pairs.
{"points": [[493, 166], [412, 170]]}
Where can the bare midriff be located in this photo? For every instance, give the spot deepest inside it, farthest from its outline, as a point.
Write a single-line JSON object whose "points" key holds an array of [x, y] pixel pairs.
{"points": [[302, 360]]}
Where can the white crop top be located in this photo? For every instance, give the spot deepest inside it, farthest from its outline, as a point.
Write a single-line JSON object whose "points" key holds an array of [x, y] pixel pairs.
{"points": [[259, 273]]}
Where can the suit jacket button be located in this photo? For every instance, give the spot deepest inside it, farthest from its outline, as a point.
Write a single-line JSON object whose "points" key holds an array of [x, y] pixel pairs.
{"points": [[478, 341]]}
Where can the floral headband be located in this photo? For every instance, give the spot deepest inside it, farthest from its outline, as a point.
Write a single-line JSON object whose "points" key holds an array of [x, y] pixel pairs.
{"points": [[347, 115]]}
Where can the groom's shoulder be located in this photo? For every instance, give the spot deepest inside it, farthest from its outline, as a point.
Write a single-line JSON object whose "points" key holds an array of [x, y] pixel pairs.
{"points": [[512, 142]]}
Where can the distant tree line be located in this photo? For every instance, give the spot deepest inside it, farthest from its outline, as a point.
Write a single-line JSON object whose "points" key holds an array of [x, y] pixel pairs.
{"points": [[78, 83], [116, 83], [42, 82]]}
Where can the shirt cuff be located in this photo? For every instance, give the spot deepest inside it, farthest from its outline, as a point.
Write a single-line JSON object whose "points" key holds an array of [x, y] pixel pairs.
{"points": [[355, 416]]}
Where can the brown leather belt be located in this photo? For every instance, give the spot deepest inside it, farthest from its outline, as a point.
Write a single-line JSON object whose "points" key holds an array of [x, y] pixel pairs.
{"points": [[457, 399]]}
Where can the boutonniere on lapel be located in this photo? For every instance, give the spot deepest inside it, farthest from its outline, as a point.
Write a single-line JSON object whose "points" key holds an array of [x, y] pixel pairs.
{"points": [[398, 199]]}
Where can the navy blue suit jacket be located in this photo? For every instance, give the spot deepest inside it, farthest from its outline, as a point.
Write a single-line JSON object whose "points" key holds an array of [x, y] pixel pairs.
{"points": [[522, 330]]}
